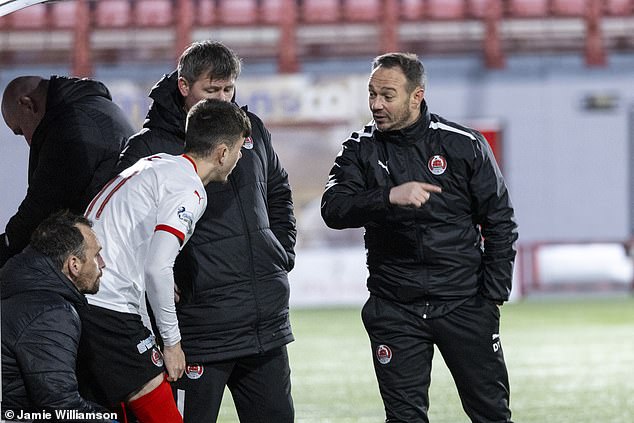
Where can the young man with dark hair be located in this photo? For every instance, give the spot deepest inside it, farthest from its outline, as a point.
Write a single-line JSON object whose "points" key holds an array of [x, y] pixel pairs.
{"points": [[144, 217], [439, 233], [42, 289], [233, 275]]}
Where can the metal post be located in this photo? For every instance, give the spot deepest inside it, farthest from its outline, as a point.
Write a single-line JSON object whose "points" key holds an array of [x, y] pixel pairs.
{"points": [[82, 60], [287, 55]]}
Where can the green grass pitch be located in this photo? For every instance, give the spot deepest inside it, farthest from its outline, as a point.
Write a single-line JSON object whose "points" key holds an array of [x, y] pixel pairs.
{"points": [[569, 360]]}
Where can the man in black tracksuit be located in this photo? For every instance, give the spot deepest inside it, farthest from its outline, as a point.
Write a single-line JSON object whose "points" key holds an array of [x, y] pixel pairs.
{"points": [[75, 133], [42, 290], [439, 233], [233, 311]]}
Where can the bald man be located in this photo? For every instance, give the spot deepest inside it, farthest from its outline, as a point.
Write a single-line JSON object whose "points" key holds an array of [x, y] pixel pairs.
{"points": [[75, 133]]}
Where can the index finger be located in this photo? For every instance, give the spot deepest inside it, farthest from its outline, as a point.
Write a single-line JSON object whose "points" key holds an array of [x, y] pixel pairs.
{"points": [[430, 187]]}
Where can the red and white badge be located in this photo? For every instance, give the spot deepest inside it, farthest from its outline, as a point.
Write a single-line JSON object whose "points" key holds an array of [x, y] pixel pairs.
{"points": [[157, 357], [194, 371], [248, 143], [437, 164], [383, 354]]}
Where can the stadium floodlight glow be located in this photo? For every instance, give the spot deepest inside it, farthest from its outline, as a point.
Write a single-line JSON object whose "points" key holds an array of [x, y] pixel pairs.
{"points": [[8, 6]]}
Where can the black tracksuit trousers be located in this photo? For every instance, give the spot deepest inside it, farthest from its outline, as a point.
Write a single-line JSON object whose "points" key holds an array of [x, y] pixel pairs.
{"points": [[468, 339], [260, 386]]}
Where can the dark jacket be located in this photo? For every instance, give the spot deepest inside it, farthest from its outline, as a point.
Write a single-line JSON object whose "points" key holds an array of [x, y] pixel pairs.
{"points": [[233, 271], [40, 336], [460, 243], [73, 153]]}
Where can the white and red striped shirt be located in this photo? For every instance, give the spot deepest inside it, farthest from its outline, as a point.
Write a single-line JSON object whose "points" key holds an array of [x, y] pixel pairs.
{"points": [[158, 193]]}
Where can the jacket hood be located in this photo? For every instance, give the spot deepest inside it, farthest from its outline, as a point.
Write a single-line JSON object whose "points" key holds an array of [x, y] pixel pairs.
{"points": [[167, 112], [32, 271], [410, 134], [65, 90]]}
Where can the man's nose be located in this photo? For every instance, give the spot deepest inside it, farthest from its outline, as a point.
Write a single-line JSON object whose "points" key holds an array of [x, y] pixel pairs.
{"points": [[225, 96], [376, 104]]}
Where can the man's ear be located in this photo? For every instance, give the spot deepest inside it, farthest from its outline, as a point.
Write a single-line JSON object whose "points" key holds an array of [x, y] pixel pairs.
{"points": [[183, 86], [223, 153], [29, 103], [417, 96], [73, 266]]}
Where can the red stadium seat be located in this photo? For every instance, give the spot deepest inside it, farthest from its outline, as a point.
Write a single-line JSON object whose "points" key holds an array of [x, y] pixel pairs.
{"points": [[568, 7], [238, 12], [112, 13], [320, 11], [529, 8], [618, 7], [271, 11], [412, 10], [478, 8], [64, 14], [362, 10], [205, 12], [32, 17], [446, 9], [154, 13]]}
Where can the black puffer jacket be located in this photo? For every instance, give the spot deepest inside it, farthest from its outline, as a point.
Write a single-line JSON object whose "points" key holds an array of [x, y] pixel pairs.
{"points": [[233, 271], [433, 252], [73, 153], [40, 337]]}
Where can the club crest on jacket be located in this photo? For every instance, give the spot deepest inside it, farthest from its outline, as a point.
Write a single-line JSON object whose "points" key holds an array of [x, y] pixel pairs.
{"points": [[437, 164]]}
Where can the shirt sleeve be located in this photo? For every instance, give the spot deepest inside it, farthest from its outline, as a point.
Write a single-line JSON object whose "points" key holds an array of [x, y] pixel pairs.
{"points": [[347, 201], [495, 213], [179, 208], [280, 201], [159, 280], [178, 212]]}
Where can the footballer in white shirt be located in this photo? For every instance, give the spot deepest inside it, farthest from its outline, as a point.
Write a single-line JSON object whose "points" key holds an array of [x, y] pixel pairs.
{"points": [[142, 218]]}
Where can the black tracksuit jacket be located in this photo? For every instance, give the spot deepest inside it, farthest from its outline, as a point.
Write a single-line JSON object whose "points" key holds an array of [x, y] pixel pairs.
{"points": [[459, 244], [233, 272], [40, 337], [73, 153]]}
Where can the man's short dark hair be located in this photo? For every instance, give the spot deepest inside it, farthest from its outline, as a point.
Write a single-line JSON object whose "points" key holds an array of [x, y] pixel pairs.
{"points": [[213, 122], [211, 58], [59, 237], [409, 63]]}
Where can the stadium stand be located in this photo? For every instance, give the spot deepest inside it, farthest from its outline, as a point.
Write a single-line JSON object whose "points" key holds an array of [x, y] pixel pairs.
{"points": [[205, 12], [320, 11], [272, 11], [528, 8], [478, 8], [412, 10], [154, 13], [31, 18], [63, 14], [291, 31], [238, 12], [618, 7], [446, 9], [362, 10], [568, 7], [112, 13]]}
